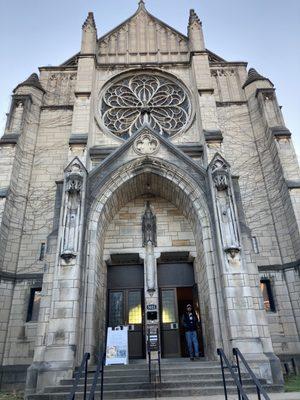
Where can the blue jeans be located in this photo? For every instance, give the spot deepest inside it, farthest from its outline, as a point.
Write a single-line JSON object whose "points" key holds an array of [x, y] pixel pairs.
{"points": [[192, 341]]}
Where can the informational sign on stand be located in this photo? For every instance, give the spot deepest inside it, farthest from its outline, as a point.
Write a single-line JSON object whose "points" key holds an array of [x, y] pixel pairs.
{"points": [[117, 345]]}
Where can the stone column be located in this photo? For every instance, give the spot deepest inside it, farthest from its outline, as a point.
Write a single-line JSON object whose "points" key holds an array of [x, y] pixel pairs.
{"points": [[55, 358], [150, 269], [244, 322]]}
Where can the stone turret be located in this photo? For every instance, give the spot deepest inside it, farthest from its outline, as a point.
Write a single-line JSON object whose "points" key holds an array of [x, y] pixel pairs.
{"points": [[195, 32], [33, 81], [254, 76], [89, 35]]}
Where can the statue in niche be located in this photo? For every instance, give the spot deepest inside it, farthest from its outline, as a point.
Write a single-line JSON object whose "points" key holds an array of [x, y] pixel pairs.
{"points": [[227, 220], [73, 186], [149, 242], [226, 213], [149, 226]]}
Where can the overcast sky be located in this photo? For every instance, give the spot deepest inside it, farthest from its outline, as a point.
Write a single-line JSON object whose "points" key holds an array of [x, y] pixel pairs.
{"points": [[265, 33]]}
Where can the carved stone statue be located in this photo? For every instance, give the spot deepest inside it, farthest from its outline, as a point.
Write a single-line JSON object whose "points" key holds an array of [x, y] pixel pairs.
{"points": [[226, 214], [149, 226], [73, 188], [149, 241]]}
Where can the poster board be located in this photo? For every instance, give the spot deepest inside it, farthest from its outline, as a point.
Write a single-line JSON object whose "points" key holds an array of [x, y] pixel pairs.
{"points": [[117, 346]]}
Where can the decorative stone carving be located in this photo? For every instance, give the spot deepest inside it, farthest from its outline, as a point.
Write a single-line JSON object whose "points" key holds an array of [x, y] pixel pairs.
{"points": [[72, 211], [145, 98], [146, 144], [220, 174], [149, 241], [149, 226], [227, 218]]}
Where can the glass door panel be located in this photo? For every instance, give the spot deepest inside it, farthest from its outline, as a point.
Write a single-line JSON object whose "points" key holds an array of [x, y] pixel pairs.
{"points": [[168, 306], [134, 307], [116, 309], [169, 323]]}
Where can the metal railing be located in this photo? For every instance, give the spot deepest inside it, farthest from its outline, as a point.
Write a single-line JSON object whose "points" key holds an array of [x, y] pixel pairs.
{"points": [[99, 370], [260, 390], [83, 368], [157, 349], [237, 380]]}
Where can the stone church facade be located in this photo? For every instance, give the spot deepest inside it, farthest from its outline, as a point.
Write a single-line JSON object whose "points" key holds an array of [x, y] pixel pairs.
{"points": [[143, 173]]}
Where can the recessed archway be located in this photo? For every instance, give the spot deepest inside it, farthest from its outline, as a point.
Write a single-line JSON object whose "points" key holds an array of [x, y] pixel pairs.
{"points": [[160, 179]]}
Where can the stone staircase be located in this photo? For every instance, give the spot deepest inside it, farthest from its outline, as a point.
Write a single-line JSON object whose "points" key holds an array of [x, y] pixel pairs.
{"points": [[180, 378]]}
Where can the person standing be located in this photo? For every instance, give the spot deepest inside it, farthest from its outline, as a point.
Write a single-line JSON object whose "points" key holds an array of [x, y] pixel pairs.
{"points": [[189, 321]]}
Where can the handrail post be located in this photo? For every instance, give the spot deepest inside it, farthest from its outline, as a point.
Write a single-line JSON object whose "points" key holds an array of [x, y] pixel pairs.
{"points": [[102, 374], [259, 388], [85, 378], [239, 371], [223, 375]]}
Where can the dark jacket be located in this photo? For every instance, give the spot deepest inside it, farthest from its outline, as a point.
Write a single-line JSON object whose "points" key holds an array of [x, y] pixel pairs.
{"points": [[189, 324]]}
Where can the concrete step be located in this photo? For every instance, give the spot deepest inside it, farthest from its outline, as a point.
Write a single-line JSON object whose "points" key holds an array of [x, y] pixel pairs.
{"points": [[184, 391], [146, 385]]}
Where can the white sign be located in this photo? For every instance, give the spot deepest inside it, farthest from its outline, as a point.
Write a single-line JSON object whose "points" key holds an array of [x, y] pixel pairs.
{"points": [[117, 346]]}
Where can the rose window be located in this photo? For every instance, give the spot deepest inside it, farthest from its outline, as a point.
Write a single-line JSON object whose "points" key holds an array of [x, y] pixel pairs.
{"points": [[143, 98]]}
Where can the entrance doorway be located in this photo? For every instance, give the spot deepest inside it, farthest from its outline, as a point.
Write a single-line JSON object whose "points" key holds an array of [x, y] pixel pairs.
{"points": [[177, 289], [126, 304]]}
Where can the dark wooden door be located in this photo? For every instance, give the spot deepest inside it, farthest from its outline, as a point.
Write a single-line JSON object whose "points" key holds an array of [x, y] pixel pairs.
{"points": [[169, 323], [126, 308]]}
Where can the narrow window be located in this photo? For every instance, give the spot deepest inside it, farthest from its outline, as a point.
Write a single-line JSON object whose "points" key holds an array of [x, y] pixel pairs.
{"points": [[266, 290], [34, 305], [255, 245], [42, 251]]}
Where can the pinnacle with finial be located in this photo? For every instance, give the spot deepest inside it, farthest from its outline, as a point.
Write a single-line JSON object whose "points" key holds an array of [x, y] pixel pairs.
{"points": [[141, 4], [90, 21], [194, 18]]}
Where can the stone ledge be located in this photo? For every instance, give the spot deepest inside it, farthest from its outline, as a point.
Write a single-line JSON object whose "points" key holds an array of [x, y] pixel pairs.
{"points": [[78, 139], [11, 138], [280, 131], [58, 107], [192, 150], [3, 192], [230, 103], [293, 184], [213, 136], [278, 267], [100, 153], [12, 277]]}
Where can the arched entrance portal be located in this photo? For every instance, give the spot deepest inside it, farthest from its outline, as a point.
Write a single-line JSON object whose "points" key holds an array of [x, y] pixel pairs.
{"points": [[156, 179], [175, 250]]}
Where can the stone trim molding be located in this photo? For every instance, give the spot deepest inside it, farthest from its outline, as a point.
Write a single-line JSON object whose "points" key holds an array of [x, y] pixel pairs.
{"points": [[281, 132], [11, 138], [230, 103], [58, 107], [213, 136], [78, 138], [278, 267], [3, 192], [191, 150], [293, 184], [12, 277]]}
